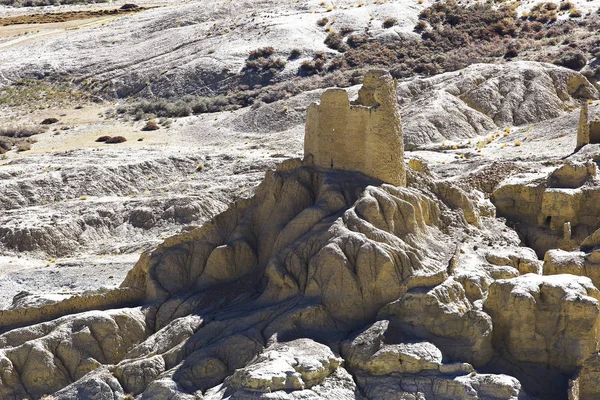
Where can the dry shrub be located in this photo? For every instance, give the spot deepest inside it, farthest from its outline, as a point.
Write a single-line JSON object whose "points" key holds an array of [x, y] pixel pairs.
{"points": [[566, 5], [323, 21], [335, 41], [116, 139], [151, 126], [294, 54], [263, 52], [574, 60], [21, 131], [49, 121], [103, 138], [575, 13], [389, 22]]}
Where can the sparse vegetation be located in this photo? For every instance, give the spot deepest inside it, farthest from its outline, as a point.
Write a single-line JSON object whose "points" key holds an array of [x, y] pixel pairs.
{"points": [[574, 13], [573, 59], [36, 3], [260, 59], [295, 54], [455, 36], [116, 139], [22, 131], [49, 121], [335, 41], [35, 93], [151, 126], [45, 18], [323, 21], [389, 22]]}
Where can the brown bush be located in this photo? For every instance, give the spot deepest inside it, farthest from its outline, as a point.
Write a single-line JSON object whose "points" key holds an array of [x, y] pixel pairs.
{"points": [[116, 139], [263, 52], [262, 63], [323, 21], [566, 5], [103, 138], [49, 121], [335, 41], [575, 13], [574, 60], [21, 131], [151, 126], [129, 6], [294, 54], [389, 22], [346, 30]]}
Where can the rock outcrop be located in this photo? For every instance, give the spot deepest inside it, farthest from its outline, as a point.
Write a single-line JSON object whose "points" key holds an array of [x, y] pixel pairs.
{"points": [[332, 283], [556, 209], [483, 97], [583, 127], [551, 320]]}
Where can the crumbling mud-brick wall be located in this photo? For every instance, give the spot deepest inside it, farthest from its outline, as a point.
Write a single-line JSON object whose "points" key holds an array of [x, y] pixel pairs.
{"points": [[363, 136]]}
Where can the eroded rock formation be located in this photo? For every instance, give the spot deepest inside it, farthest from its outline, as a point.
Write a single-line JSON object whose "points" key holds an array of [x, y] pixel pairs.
{"points": [[330, 283], [554, 209]]}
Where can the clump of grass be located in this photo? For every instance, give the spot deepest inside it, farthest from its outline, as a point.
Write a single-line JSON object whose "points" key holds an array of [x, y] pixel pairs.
{"points": [[263, 52], [575, 13], [49, 121], [566, 6], [323, 21], [116, 139], [151, 126], [389, 22], [335, 41], [22, 131], [295, 54], [260, 59]]}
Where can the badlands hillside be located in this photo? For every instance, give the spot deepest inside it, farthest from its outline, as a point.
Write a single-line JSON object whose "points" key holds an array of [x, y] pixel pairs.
{"points": [[296, 199]]}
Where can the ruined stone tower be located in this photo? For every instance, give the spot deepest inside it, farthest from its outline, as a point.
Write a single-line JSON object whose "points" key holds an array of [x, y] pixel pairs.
{"points": [[583, 129], [363, 136], [587, 132]]}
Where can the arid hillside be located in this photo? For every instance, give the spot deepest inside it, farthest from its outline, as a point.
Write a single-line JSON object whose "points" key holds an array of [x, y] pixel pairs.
{"points": [[169, 232]]}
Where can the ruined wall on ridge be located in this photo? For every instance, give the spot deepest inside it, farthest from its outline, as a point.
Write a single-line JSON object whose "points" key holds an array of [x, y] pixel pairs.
{"points": [[363, 136]]}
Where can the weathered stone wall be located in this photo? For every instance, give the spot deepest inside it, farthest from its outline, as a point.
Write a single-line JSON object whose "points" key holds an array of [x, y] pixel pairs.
{"points": [[365, 136], [583, 129], [594, 131], [587, 132]]}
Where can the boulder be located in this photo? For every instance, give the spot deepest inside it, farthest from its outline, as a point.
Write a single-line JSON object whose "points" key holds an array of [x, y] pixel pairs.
{"points": [[550, 320]]}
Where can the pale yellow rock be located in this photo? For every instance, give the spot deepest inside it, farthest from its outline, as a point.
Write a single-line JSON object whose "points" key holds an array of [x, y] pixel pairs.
{"points": [[294, 365], [363, 136], [522, 259], [558, 261], [585, 385], [555, 210], [444, 316], [369, 351], [552, 320]]}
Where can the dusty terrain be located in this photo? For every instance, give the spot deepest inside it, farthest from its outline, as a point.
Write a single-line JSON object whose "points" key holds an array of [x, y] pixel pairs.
{"points": [[259, 276]]}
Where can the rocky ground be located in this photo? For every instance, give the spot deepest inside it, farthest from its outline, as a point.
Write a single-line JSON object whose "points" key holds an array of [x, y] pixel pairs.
{"points": [[299, 283]]}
